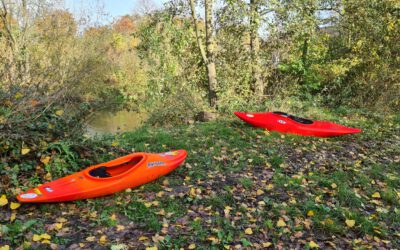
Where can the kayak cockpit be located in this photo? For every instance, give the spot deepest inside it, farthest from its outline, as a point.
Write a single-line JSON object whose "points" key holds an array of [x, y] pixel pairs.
{"points": [[115, 170], [294, 118]]}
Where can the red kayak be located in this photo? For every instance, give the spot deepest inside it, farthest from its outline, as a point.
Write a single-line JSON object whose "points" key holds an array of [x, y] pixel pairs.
{"points": [[285, 123]]}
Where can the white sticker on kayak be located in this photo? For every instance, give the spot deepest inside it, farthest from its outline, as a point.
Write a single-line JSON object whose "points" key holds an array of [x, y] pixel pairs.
{"points": [[48, 189], [250, 115], [281, 121], [171, 153], [155, 164], [28, 196]]}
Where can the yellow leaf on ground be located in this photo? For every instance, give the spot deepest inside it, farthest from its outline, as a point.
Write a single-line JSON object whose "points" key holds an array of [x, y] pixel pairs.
{"points": [[36, 237], [266, 244], [61, 220], [350, 223], [14, 205], [192, 246], [6, 247], [151, 248], [312, 244], [45, 236], [260, 192], [376, 195], [333, 185], [310, 213], [58, 226], [270, 186], [3, 200], [120, 228], [91, 238], [192, 192], [46, 242], [18, 95], [329, 221], [160, 194], [113, 217], [13, 216], [248, 231], [59, 112], [114, 143], [281, 223], [45, 160], [24, 151], [103, 240], [143, 238], [187, 178], [147, 204]]}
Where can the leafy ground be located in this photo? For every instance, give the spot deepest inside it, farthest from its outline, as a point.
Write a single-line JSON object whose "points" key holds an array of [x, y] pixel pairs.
{"points": [[239, 188]]}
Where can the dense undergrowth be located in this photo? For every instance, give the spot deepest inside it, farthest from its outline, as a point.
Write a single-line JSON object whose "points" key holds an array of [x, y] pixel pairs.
{"points": [[240, 187]]}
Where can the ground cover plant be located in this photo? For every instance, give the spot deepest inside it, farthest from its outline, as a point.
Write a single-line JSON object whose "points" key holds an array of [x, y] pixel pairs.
{"points": [[240, 187]]}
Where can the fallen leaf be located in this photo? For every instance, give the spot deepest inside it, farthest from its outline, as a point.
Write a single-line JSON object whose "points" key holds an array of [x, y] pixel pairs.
{"points": [[376, 195], [13, 216], [248, 231], [151, 248], [310, 213], [58, 226], [59, 112], [192, 246], [3, 200], [260, 192], [24, 151], [143, 238], [45, 236], [114, 143], [120, 228], [14, 205], [36, 237], [103, 240], [45, 160], [281, 223], [90, 238], [266, 244], [350, 223], [312, 244], [333, 185], [5, 247]]}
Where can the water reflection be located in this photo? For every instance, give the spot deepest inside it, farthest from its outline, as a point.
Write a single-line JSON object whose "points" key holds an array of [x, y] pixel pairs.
{"points": [[115, 122]]}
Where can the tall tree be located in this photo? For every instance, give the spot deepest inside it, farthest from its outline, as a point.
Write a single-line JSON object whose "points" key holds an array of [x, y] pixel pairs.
{"points": [[208, 55], [255, 19]]}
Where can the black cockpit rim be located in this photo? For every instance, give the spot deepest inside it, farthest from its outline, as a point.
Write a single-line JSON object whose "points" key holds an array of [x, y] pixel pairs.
{"points": [[294, 118]]}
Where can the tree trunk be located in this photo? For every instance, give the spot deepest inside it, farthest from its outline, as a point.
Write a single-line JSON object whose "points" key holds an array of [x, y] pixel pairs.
{"points": [[257, 85], [211, 71], [208, 54]]}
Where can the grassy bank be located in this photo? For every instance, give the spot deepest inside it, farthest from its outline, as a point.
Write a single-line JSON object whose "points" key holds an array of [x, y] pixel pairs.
{"points": [[240, 187]]}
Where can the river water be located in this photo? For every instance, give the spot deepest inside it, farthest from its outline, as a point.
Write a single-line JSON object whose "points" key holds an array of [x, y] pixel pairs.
{"points": [[114, 122]]}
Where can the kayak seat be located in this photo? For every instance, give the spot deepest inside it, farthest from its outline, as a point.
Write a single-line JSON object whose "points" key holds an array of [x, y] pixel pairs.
{"points": [[300, 120], [100, 172], [294, 118]]}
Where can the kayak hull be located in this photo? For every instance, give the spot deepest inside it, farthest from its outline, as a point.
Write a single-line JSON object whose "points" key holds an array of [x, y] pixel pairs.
{"points": [[283, 123], [125, 172]]}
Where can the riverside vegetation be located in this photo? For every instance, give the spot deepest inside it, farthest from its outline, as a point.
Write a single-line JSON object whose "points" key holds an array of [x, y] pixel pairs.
{"points": [[240, 187]]}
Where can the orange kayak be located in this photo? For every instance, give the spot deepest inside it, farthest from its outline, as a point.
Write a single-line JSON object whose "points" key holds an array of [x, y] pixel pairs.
{"points": [[106, 178]]}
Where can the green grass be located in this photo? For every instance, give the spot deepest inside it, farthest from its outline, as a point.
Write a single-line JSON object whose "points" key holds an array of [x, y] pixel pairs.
{"points": [[227, 163]]}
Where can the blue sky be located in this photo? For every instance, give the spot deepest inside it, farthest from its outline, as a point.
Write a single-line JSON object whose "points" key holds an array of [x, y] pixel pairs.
{"points": [[111, 9]]}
